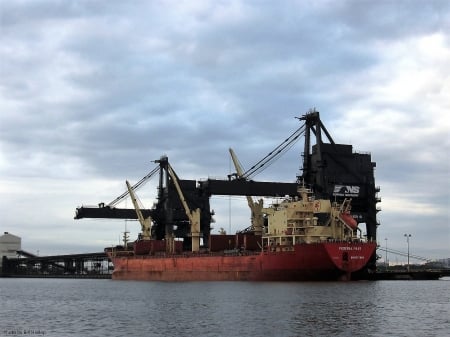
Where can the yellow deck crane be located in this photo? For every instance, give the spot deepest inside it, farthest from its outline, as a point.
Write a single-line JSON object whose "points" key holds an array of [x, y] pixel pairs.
{"points": [[146, 223], [257, 220], [193, 215]]}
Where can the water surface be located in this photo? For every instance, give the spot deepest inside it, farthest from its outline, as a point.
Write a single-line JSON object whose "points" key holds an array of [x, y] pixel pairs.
{"points": [[74, 307]]}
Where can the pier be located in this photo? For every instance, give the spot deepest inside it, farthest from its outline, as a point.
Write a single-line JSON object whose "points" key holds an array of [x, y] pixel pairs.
{"points": [[87, 265], [404, 275]]}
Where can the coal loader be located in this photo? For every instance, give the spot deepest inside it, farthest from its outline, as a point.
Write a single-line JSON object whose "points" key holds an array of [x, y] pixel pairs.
{"points": [[311, 231]]}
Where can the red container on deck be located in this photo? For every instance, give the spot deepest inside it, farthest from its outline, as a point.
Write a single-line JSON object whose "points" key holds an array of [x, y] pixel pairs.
{"points": [[142, 247], [178, 246], [239, 240], [251, 242], [158, 246], [219, 242]]}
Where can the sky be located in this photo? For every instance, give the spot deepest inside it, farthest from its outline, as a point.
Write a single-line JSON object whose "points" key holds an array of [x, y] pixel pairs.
{"points": [[92, 92]]}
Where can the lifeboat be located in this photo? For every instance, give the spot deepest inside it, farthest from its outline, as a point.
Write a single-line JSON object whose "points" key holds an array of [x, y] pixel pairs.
{"points": [[348, 220]]}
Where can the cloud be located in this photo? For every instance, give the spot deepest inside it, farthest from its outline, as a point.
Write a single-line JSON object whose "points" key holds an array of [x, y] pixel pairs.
{"points": [[91, 93]]}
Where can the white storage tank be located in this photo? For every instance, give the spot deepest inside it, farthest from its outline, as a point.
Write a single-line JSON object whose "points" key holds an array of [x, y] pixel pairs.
{"points": [[9, 245]]}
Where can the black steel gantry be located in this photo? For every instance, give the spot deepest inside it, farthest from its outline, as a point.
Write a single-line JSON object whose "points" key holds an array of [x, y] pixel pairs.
{"points": [[333, 171]]}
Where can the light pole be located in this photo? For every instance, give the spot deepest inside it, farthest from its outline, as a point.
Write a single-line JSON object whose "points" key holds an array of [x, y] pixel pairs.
{"points": [[407, 241]]}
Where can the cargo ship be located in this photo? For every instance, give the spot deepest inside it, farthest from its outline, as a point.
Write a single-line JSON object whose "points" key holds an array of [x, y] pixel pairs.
{"points": [[301, 238]]}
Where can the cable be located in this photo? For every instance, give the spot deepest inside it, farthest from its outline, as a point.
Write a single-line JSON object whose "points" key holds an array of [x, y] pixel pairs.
{"points": [[135, 187], [270, 158], [397, 252]]}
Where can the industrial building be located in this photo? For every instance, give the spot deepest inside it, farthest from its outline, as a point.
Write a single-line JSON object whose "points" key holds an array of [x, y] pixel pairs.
{"points": [[9, 245]]}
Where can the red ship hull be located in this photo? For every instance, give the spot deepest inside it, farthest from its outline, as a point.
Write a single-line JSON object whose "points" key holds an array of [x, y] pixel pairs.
{"points": [[316, 261]]}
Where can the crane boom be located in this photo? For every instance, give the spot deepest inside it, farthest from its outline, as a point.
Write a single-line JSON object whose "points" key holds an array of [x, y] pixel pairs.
{"points": [[256, 208], [193, 215], [240, 173], [145, 222]]}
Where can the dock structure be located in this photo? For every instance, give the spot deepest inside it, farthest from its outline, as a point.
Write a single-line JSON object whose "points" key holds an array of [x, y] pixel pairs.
{"points": [[88, 265], [98, 266], [405, 275]]}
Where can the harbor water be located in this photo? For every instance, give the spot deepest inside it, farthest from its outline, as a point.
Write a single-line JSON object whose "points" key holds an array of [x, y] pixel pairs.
{"points": [[81, 307]]}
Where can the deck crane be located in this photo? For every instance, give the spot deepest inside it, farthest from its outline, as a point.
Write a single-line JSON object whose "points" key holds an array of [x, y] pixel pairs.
{"points": [[193, 215], [146, 223], [257, 220]]}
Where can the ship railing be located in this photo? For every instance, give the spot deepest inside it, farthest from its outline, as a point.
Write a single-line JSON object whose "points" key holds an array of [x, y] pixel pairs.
{"points": [[352, 240], [318, 241], [202, 254]]}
